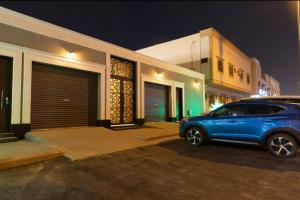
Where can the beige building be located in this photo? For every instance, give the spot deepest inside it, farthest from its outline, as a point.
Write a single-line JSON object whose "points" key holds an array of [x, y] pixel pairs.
{"points": [[263, 84], [229, 73], [54, 77]]}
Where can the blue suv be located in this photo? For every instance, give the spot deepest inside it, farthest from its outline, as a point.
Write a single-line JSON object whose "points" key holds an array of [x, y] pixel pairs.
{"points": [[274, 125]]}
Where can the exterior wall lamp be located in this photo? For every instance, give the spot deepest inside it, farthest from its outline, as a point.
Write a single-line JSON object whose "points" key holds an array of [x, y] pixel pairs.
{"points": [[159, 75], [71, 55], [196, 84]]}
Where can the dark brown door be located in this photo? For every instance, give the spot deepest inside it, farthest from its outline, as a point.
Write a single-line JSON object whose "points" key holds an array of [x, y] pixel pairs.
{"points": [[179, 106], [62, 97], [156, 102], [5, 93]]}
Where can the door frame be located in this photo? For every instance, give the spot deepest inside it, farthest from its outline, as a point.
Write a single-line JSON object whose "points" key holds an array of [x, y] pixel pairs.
{"points": [[12, 52], [167, 82], [46, 58], [180, 103], [9, 87], [121, 78]]}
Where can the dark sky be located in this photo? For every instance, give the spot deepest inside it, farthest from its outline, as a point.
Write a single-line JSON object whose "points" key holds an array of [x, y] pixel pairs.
{"points": [[264, 30]]}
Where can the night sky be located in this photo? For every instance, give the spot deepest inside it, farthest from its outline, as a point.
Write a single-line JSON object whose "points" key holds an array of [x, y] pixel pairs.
{"points": [[264, 30]]}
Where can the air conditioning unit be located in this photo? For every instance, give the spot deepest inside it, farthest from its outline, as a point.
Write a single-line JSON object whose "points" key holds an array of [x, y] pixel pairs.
{"points": [[240, 72]]}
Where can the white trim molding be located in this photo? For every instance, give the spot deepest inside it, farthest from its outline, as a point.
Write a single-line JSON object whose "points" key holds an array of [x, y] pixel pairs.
{"points": [[138, 90], [42, 57], [179, 85], [167, 82], [16, 56], [107, 86]]}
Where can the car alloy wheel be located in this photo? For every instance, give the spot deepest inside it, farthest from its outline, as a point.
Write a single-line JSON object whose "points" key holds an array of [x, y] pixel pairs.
{"points": [[194, 136], [282, 145]]}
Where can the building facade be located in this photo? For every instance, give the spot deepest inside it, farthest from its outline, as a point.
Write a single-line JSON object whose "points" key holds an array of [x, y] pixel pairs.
{"points": [[229, 73], [54, 77], [263, 84]]}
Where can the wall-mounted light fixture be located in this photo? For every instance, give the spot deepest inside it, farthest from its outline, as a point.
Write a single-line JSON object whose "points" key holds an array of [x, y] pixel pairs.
{"points": [[159, 75], [71, 55], [196, 84]]}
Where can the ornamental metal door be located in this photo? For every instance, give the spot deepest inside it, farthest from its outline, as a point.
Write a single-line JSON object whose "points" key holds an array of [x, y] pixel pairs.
{"points": [[122, 98]]}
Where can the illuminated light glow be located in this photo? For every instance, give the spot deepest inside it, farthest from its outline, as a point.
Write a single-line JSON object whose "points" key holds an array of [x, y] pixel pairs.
{"points": [[196, 84], [255, 96], [71, 55], [216, 105], [159, 75], [262, 93]]}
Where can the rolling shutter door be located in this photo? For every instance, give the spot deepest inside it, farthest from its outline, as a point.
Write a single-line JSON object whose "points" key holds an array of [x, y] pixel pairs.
{"points": [[62, 97], [156, 102]]}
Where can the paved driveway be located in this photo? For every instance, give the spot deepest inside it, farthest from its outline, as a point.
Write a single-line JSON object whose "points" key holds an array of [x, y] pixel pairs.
{"points": [[170, 170], [83, 142]]}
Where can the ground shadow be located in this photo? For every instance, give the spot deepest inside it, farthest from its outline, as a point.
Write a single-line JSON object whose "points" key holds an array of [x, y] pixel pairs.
{"points": [[234, 154]]}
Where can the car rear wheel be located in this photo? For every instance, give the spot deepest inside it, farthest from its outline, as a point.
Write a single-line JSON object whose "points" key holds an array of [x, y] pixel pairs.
{"points": [[282, 145], [194, 136]]}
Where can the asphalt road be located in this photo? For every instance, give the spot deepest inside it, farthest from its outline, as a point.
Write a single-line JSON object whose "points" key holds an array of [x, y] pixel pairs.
{"points": [[171, 170]]}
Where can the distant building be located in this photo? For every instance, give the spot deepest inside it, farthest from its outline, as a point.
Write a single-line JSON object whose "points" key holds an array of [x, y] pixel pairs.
{"points": [[263, 84], [229, 73]]}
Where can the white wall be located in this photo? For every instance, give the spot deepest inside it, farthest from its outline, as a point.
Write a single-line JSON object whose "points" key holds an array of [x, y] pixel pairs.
{"points": [[181, 51]]}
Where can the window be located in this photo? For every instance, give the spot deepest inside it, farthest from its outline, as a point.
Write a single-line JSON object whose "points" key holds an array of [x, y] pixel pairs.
{"points": [[231, 70], [263, 109], [241, 74], [204, 60], [276, 109], [248, 78], [211, 99], [220, 65], [233, 110], [258, 83]]}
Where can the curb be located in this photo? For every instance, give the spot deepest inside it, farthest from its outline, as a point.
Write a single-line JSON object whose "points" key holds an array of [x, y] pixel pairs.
{"points": [[160, 137], [22, 161]]}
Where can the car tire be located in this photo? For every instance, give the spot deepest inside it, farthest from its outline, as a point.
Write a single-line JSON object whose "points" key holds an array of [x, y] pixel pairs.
{"points": [[282, 145], [195, 136]]}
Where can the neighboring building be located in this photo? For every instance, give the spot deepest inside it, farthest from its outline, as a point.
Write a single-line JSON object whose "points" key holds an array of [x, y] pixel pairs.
{"points": [[54, 77], [263, 84], [228, 71]]}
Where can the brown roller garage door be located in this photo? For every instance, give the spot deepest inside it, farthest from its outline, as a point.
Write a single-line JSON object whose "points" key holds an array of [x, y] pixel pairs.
{"points": [[62, 97], [156, 102]]}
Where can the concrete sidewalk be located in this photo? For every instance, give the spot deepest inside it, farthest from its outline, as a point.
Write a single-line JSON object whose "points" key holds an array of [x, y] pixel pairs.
{"points": [[83, 142], [22, 152]]}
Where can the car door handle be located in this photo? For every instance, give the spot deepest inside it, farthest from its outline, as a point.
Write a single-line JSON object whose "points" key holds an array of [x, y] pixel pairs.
{"points": [[233, 121]]}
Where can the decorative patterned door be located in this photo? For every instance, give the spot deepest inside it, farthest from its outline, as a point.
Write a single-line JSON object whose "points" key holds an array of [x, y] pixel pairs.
{"points": [[122, 91]]}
